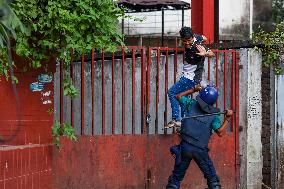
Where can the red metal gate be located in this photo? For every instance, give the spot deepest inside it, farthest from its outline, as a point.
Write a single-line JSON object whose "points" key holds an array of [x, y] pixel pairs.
{"points": [[120, 116]]}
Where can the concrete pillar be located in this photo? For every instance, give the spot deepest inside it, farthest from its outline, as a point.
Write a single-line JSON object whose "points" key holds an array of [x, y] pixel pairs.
{"points": [[250, 120]]}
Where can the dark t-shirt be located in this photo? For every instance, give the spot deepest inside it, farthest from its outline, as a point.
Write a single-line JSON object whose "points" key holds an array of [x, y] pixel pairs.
{"points": [[195, 63]]}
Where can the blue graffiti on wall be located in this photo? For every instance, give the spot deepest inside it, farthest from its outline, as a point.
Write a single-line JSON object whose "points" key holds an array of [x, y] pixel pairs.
{"points": [[39, 85], [44, 78], [36, 86]]}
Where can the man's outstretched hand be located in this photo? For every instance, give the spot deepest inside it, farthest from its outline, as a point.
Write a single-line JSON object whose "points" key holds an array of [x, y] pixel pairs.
{"points": [[201, 49]]}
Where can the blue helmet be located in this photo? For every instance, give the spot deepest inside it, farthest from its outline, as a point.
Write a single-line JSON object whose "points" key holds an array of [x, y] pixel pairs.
{"points": [[209, 94]]}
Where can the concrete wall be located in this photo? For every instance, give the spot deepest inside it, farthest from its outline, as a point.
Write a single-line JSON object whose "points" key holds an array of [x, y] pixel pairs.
{"points": [[278, 133], [238, 19], [234, 19]]}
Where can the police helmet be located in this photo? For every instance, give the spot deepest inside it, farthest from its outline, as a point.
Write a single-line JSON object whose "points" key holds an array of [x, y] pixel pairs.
{"points": [[209, 94]]}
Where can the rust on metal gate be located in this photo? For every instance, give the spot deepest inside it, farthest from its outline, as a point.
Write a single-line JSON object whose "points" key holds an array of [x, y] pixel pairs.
{"points": [[121, 113]]}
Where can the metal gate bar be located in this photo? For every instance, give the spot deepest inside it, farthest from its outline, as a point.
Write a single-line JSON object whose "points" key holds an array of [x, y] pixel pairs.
{"points": [[125, 116]]}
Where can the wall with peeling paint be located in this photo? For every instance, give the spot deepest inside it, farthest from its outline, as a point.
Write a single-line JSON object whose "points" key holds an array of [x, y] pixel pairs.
{"points": [[237, 19], [279, 132], [26, 159]]}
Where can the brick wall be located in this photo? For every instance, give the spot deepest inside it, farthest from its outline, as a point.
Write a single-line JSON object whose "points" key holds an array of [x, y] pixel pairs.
{"points": [[266, 132]]}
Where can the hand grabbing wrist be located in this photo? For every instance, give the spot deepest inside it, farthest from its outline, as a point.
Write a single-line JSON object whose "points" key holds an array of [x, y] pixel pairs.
{"points": [[197, 88]]}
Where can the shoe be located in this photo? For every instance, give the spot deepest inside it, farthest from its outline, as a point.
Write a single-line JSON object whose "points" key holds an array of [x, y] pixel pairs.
{"points": [[170, 186]]}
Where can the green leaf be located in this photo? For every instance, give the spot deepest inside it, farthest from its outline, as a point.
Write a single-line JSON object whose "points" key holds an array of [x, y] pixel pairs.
{"points": [[65, 130], [273, 46]]}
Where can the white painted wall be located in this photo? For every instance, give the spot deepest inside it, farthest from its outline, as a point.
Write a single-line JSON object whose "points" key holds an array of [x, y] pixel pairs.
{"points": [[231, 12], [279, 131]]}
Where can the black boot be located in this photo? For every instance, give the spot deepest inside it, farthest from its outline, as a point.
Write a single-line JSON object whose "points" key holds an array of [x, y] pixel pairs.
{"points": [[171, 186], [214, 185]]}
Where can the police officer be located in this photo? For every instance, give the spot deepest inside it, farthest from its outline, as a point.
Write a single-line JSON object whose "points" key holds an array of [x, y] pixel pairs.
{"points": [[195, 134]]}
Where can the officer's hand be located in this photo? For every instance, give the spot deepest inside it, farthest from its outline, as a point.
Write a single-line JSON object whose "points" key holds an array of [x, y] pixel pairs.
{"points": [[178, 96], [197, 88], [229, 113]]}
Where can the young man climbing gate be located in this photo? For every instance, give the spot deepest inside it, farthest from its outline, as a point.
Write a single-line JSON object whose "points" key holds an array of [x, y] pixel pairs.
{"points": [[195, 53]]}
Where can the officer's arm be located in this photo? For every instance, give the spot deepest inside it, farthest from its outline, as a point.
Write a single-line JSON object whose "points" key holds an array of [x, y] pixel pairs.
{"points": [[188, 92], [222, 130]]}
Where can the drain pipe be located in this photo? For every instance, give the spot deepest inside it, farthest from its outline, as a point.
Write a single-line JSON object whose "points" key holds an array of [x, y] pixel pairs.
{"points": [[250, 18]]}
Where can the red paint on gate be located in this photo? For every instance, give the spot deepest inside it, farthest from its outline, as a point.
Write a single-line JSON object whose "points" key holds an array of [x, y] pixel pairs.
{"points": [[82, 95], [143, 88], [237, 156], [103, 93], [216, 70], [124, 161], [148, 99], [133, 66], [72, 78], [175, 65], [166, 87], [93, 89], [61, 92], [123, 91], [157, 89], [225, 80], [113, 94]]}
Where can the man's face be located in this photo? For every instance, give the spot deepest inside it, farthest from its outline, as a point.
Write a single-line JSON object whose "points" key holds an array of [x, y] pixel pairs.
{"points": [[187, 42]]}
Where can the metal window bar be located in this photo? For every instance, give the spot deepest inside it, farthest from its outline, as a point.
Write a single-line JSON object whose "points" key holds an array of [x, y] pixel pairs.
{"points": [[82, 95], [113, 93], [93, 89]]}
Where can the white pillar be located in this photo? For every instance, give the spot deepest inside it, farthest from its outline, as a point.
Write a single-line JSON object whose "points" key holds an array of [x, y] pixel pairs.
{"points": [[250, 119]]}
